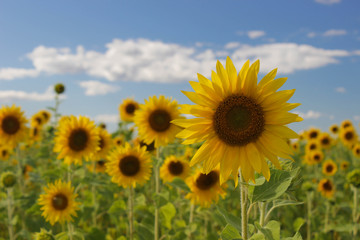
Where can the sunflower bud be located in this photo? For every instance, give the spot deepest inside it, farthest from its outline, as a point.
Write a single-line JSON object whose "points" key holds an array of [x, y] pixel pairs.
{"points": [[353, 178], [307, 186], [8, 179], [59, 88], [44, 235]]}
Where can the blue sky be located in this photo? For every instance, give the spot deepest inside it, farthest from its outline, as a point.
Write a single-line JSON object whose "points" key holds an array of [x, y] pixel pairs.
{"points": [[105, 51]]}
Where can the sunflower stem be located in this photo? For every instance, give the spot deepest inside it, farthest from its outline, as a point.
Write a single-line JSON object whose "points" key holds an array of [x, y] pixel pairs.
{"points": [[57, 103], [191, 217], [326, 223], [10, 212], [70, 231], [262, 207], [131, 210], [20, 170], [93, 191], [157, 191], [243, 200], [69, 172], [354, 212], [308, 227]]}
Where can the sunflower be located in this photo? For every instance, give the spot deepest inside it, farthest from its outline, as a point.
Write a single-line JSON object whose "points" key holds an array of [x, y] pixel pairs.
{"points": [[205, 188], [46, 115], [326, 187], [346, 124], [37, 120], [295, 146], [348, 136], [77, 138], [35, 133], [100, 166], [240, 120], [129, 166], [356, 150], [12, 125], [334, 129], [127, 109], [153, 120], [119, 141], [312, 145], [344, 165], [313, 133], [325, 140], [105, 144], [174, 167], [5, 152], [329, 168], [58, 202], [316, 156], [25, 171]]}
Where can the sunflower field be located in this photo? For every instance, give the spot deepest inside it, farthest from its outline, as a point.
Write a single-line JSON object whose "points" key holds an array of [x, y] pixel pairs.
{"points": [[227, 167]]}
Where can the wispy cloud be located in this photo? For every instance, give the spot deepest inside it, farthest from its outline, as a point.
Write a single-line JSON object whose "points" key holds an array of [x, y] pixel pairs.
{"points": [[255, 34], [107, 118], [310, 114], [155, 61], [48, 95], [357, 118], [93, 88], [340, 90], [334, 32], [328, 2]]}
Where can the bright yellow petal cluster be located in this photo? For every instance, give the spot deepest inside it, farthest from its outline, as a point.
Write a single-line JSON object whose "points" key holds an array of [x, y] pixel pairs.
{"points": [[12, 125], [127, 109], [174, 167]]}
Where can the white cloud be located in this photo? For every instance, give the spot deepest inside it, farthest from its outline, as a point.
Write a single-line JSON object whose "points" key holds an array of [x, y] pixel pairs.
{"points": [[255, 34], [93, 88], [309, 114], [107, 118], [357, 118], [340, 90], [311, 34], [48, 95], [334, 32], [328, 2], [12, 73], [155, 61]]}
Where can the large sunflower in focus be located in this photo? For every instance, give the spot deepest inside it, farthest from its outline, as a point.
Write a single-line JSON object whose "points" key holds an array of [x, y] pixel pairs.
{"points": [[127, 109], [77, 138], [129, 166], [241, 121], [58, 202], [153, 120], [12, 125]]}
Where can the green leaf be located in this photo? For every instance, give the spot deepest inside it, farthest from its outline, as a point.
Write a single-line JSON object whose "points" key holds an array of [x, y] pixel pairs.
{"points": [[230, 219], [144, 232], [267, 232], [161, 199], [95, 234], [274, 188], [230, 233], [257, 236], [274, 227], [179, 183], [118, 206], [297, 236], [298, 223], [168, 212]]}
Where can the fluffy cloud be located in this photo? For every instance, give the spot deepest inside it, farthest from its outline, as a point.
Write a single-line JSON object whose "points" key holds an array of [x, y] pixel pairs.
{"points": [[107, 118], [309, 114], [340, 90], [48, 95], [334, 32], [93, 88], [328, 2], [156, 61], [255, 34]]}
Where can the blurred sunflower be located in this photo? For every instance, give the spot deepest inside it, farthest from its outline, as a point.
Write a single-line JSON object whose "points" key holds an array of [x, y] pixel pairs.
{"points": [[326, 187], [312, 145], [295, 146], [12, 125], [329, 168], [127, 109], [174, 167], [46, 116], [344, 165], [316, 156], [77, 138], [100, 166], [356, 150], [5, 152], [153, 120], [205, 188], [325, 140], [149, 147], [25, 171], [35, 133], [119, 141], [348, 136], [58, 202], [346, 124], [129, 166], [334, 129], [37, 120], [105, 144], [240, 120], [313, 133]]}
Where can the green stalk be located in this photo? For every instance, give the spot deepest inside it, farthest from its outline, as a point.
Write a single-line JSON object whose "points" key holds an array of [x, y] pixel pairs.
{"points": [[93, 191], [70, 230], [20, 170], [191, 217], [131, 210], [308, 227], [327, 216], [10, 212], [262, 208], [157, 191], [354, 212], [243, 200]]}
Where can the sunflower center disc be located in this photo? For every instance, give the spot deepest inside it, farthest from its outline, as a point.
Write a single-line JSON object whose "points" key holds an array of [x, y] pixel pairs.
{"points": [[238, 120], [317, 158], [130, 108], [4, 153], [329, 168], [10, 125], [357, 151], [313, 134], [334, 130], [312, 146], [35, 131], [206, 181], [149, 147], [349, 135], [129, 166], [159, 120], [101, 143], [327, 186], [101, 163], [175, 168], [59, 201], [38, 120], [46, 115], [346, 125], [325, 141], [78, 140]]}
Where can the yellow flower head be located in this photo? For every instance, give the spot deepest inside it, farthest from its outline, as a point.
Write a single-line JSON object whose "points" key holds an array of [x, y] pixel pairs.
{"points": [[344, 165], [35, 133], [174, 167], [316, 156], [37, 120], [119, 141], [105, 144], [129, 166], [5, 152], [325, 140], [58, 203], [295, 146], [329, 168], [334, 129], [77, 138], [241, 121], [46, 116], [348, 136], [12, 125], [326, 187], [312, 145], [127, 109], [153, 120], [346, 124], [205, 188], [356, 150], [313, 133]]}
